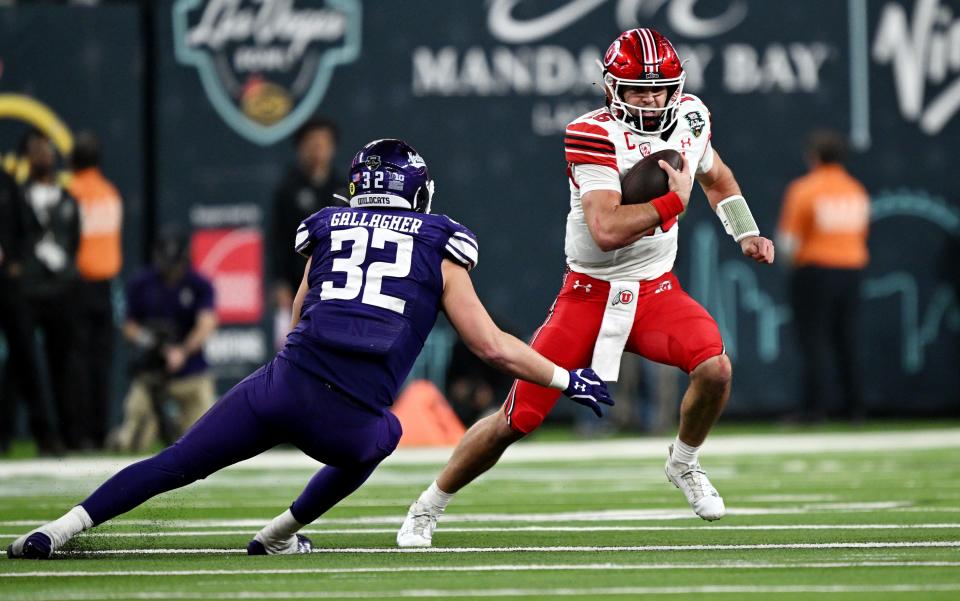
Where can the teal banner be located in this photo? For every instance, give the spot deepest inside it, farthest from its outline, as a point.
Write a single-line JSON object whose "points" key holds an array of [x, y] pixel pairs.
{"points": [[484, 90]]}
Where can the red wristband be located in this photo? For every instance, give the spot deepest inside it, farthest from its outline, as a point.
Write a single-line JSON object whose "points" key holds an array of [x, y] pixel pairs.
{"points": [[668, 206]]}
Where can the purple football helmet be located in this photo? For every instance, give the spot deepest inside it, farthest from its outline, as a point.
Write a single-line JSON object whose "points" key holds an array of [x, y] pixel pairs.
{"points": [[390, 174]]}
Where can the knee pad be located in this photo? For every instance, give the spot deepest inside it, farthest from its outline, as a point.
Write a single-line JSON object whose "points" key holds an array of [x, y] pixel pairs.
{"points": [[524, 420], [380, 442], [390, 433]]}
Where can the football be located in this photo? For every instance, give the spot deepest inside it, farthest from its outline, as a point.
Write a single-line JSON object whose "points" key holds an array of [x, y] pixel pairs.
{"points": [[646, 180]]}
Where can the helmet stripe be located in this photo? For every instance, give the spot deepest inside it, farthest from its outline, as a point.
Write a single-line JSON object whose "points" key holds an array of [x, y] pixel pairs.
{"points": [[656, 50], [649, 51], [644, 48]]}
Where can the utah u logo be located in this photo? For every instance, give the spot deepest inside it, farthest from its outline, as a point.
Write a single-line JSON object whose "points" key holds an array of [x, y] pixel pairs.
{"points": [[623, 298], [612, 53]]}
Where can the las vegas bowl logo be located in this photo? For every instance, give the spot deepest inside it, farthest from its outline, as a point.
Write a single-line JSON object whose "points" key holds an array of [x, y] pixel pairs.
{"points": [[265, 64]]}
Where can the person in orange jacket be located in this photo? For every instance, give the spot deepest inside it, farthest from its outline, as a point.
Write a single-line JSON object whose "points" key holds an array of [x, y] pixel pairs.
{"points": [[99, 258], [823, 234]]}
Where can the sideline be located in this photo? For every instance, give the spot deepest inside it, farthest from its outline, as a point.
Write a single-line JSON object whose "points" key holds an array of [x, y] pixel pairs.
{"points": [[641, 448]]}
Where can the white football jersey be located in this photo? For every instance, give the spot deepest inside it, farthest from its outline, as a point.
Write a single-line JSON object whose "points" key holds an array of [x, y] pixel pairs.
{"points": [[599, 152]]}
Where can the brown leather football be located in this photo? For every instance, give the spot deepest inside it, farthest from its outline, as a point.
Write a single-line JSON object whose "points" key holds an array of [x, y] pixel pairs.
{"points": [[646, 180]]}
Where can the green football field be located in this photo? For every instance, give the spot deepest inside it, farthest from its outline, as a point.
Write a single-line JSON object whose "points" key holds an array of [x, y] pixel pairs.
{"points": [[846, 515]]}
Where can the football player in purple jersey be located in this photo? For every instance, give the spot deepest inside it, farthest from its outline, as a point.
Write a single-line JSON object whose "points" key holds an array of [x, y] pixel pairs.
{"points": [[378, 273]]}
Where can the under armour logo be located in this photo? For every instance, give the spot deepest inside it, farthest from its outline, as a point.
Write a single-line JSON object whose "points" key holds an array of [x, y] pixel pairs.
{"points": [[580, 386], [586, 287]]}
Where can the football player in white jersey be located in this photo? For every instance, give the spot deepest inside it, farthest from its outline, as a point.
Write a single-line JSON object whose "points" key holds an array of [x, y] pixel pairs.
{"points": [[619, 292]]}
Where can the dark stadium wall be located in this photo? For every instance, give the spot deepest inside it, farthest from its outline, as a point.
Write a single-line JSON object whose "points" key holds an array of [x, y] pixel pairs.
{"points": [[66, 69], [483, 91]]}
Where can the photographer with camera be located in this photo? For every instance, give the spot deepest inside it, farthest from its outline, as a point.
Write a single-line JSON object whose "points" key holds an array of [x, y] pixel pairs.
{"points": [[170, 315]]}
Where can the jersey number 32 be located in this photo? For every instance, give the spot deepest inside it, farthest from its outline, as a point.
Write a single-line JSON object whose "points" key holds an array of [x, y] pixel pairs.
{"points": [[352, 265]]}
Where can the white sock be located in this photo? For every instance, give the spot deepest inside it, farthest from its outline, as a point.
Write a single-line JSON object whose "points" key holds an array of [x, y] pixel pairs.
{"points": [[684, 453], [435, 497], [278, 535], [66, 527]]}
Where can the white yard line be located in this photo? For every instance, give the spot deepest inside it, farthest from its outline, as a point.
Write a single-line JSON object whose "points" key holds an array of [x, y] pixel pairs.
{"points": [[628, 591], [498, 568], [556, 549], [644, 448], [473, 529], [607, 515]]}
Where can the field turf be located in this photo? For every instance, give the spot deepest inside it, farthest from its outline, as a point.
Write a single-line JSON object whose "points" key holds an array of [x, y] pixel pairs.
{"points": [[837, 515]]}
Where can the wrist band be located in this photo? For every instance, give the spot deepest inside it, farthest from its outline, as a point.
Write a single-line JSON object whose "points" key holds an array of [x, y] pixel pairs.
{"points": [[561, 378], [737, 220], [668, 206]]}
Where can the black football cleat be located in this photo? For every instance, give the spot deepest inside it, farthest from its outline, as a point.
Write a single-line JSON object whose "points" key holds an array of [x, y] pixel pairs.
{"points": [[304, 545], [255, 547], [37, 546]]}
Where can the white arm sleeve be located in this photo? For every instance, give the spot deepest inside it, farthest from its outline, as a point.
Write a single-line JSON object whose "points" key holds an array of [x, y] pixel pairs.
{"points": [[706, 161], [596, 177]]}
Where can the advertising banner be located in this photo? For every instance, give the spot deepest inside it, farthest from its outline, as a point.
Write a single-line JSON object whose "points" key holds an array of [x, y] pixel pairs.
{"points": [[484, 90]]}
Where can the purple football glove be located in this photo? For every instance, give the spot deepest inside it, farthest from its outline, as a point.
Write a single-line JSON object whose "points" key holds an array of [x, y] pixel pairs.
{"points": [[588, 389]]}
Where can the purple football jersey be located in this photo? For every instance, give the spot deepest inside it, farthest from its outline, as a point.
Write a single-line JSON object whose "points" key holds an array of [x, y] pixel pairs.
{"points": [[375, 287]]}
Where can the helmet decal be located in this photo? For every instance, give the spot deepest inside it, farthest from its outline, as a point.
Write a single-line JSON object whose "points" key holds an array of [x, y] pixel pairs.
{"points": [[612, 52]]}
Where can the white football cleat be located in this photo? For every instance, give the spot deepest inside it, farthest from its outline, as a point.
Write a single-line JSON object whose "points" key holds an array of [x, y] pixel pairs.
{"points": [[703, 498], [417, 529]]}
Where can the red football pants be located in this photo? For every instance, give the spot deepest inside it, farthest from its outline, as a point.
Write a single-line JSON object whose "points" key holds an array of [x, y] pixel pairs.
{"points": [[669, 327]]}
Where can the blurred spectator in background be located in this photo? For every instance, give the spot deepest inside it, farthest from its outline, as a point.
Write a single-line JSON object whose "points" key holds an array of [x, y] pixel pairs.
{"points": [[823, 235], [16, 325], [98, 261], [308, 186], [170, 315], [50, 278]]}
